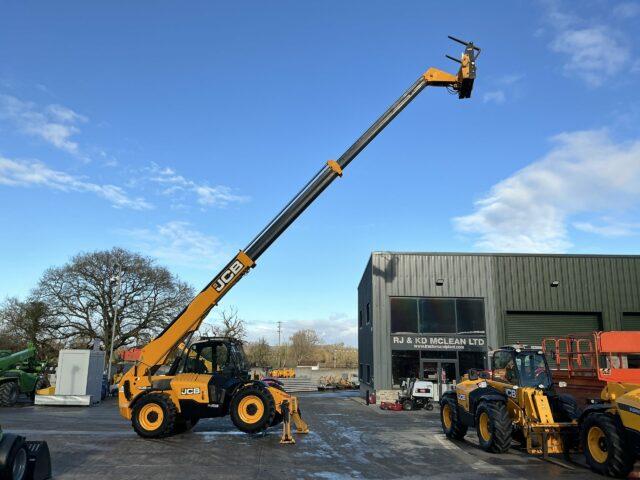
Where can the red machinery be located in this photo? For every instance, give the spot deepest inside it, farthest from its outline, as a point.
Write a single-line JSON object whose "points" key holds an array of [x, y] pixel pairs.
{"points": [[587, 361]]}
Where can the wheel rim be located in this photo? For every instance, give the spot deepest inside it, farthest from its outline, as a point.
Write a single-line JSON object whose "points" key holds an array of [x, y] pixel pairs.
{"points": [[597, 444], [151, 416], [483, 424], [19, 465], [446, 416], [250, 409]]}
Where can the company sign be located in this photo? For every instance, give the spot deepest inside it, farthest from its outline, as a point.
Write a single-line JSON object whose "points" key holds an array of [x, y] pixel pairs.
{"points": [[438, 342]]}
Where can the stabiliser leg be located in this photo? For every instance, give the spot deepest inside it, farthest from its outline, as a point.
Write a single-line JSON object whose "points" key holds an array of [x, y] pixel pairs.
{"points": [[301, 425], [291, 411], [286, 424]]}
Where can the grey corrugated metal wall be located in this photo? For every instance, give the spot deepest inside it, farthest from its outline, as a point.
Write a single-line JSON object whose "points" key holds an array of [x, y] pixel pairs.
{"points": [[365, 333], [415, 275], [531, 328], [604, 285]]}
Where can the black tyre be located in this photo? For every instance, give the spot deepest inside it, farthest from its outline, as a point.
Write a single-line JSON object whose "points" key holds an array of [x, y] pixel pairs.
{"points": [[14, 461], [603, 441], [9, 394], [252, 409], [569, 409], [184, 424], [452, 426], [277, 419], [407, 405], [429, 406], [41, 383], [154, 416], [494, 427]]}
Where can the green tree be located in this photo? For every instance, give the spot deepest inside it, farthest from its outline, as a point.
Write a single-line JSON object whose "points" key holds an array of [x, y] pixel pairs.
{"points": [[29, 322]]}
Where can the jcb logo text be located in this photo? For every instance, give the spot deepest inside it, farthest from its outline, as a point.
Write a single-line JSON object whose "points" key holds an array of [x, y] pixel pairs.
{"points": [[190, 391], [228, 275]]}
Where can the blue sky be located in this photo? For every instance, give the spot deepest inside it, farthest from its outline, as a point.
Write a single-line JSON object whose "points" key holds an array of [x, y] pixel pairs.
{"points": [[179, 131]]}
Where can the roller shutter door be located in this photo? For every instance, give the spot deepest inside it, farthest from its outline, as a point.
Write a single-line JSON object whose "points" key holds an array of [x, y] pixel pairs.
{"points": [[631, 321], [531, 328]]}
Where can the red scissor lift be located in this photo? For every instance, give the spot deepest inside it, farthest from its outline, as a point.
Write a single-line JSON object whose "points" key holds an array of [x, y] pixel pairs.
{"points": [[573, 361], [602, 368]]}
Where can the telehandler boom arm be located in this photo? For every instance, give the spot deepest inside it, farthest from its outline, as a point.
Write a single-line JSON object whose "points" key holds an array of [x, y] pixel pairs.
{"points": [[189, 320]]}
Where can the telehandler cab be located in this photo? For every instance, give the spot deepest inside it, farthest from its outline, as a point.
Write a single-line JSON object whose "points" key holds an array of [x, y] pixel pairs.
{"points": [[158, 402], [516, 400]]}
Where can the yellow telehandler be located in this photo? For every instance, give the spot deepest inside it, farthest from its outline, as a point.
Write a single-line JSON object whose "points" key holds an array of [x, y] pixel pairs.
{"points": [[171, 387], [516, 400]]}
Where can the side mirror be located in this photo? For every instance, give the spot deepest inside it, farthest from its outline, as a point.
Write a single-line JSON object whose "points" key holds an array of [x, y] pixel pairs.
{"points": [[473, 374]]}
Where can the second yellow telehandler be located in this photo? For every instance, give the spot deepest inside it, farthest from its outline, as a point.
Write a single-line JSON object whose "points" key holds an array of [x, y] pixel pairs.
{"points": [[515, 401]]}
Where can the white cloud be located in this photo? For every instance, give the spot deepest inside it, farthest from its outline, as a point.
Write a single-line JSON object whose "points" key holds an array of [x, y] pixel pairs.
{"points": [[177, 185], [627, 10], [178, 243], [594, 54], [503, 87], [510, 79], [585, 173], [609, 228], [596, 51], [21, 173], [337, 328], [55, 124], [496, 96]]}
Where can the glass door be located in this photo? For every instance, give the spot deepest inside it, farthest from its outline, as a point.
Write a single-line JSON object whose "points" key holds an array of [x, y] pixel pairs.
{"points": [[448, 373], [443, 373]]}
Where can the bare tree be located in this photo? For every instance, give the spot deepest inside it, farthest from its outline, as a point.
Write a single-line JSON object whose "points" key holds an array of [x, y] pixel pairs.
{"points": [[81, 296], [259, 353], [231, 325], [303, 345]]}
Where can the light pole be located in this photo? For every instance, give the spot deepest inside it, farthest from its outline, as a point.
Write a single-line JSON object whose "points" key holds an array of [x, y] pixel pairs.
{"points": [[118, 279]]}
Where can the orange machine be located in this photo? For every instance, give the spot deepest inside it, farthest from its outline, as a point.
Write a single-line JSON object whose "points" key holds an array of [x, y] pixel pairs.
{"points": [[603, 368]]}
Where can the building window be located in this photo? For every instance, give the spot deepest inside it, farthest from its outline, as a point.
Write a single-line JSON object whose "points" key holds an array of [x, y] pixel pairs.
{"points": [[404, 315], [470, 315], [368, 380], [404, 364], [469, 360], [360, 319], [368, 314], [360, 377], [437, 315]]}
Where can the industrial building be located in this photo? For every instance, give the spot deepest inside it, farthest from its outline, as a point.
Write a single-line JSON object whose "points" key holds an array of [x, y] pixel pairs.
{"points": [[435, 315]]}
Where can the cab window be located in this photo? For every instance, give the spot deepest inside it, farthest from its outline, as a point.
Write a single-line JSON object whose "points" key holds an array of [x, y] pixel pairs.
{"points": [[206, 359], [199, 359], [504, 368], [532, 370], [222, 357]]}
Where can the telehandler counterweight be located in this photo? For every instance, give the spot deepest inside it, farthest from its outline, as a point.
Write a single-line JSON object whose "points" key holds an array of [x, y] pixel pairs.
{"points": [[210, 377]]}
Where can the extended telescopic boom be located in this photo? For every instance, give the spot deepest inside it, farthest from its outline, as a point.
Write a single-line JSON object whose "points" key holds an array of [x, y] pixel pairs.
{"points": [[191, 317]]}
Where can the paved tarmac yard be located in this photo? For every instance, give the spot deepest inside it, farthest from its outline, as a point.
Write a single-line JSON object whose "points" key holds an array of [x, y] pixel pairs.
{"points": [[347, 440]]}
